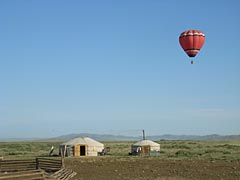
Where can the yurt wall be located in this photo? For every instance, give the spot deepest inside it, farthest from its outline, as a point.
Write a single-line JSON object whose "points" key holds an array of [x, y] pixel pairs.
{"points": [[82, 146]]}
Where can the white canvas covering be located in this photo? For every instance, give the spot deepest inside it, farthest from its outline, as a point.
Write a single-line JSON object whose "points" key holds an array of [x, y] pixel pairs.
{"points": [[153, 147], [93, 147]]}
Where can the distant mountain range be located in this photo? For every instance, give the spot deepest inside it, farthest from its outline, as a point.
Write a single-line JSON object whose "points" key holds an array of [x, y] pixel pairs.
{"points": [[109, 137]]}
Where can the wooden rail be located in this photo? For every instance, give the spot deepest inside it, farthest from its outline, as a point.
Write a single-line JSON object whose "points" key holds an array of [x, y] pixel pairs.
{"points": [[46, 164], [62, 174], [34, 169], [26, 175], [17, 165]]}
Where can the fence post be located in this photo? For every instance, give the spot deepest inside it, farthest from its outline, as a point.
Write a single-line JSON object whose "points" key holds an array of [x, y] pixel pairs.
{"points": [[37, 163], [63, 152]]}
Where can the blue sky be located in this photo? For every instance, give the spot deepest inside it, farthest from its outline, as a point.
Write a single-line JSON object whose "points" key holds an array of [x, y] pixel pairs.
{"points": [[116, 67]]}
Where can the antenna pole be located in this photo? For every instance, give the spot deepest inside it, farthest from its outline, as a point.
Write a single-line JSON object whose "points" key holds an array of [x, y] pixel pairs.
{"points": [[143, 134]]}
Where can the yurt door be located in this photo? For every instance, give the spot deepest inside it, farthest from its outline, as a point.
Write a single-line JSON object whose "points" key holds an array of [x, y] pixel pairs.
{"points": [[82, 150], [146, 150]]}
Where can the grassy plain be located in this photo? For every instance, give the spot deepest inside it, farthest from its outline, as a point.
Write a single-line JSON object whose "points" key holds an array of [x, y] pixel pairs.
{"points": [[180, 149], [178, 160], [26, 149], [187, 149]]}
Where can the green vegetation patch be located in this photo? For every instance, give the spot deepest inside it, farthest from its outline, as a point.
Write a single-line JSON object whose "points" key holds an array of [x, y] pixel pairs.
{"points": [[177, 149]]}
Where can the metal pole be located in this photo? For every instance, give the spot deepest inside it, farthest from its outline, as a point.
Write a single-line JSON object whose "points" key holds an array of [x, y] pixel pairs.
{"points": [[143, 135]]}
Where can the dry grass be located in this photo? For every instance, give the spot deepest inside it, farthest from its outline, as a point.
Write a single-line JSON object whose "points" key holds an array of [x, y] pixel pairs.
{"points": [[212, 150]]}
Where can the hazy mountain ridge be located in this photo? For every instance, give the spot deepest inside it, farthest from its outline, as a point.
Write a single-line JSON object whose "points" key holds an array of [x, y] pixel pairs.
{"points": [[109, 137]]}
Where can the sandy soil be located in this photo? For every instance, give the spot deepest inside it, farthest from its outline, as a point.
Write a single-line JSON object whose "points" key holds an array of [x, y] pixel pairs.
{"points": [[142, 168]]}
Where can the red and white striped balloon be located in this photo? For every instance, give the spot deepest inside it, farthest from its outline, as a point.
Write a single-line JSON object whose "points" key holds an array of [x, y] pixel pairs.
{"points": [[192, 41]]}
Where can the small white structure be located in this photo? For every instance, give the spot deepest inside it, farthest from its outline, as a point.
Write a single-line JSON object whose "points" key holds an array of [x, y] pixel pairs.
{"points": [[145, 148], [81, 146]]}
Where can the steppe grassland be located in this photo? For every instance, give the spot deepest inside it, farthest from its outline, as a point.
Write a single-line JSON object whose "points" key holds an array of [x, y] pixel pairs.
{"points": [[174, 149]]}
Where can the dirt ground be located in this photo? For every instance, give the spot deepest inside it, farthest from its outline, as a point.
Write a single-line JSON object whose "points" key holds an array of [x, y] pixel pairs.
{"points": [[142, 168]]}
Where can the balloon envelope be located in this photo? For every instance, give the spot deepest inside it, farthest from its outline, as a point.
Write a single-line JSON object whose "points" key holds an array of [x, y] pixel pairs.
{"points": [[192, 41]]}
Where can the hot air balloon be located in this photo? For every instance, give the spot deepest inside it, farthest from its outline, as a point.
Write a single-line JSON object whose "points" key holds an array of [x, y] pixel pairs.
{"points": [[192, 41]]}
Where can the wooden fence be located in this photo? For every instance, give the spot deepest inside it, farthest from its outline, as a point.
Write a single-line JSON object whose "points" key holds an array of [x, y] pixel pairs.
{"points": [[49, 165], [26, 175], [62, 174], [46, 164], [17, 165], [34, 169]]}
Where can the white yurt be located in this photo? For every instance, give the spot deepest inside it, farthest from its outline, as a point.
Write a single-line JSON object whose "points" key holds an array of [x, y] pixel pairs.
{"points": [[81, 146], [145, 148]]}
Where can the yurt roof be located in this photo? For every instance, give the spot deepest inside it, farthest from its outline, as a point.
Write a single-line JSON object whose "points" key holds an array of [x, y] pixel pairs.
{"points": [[84, 141], [146, 143]]}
